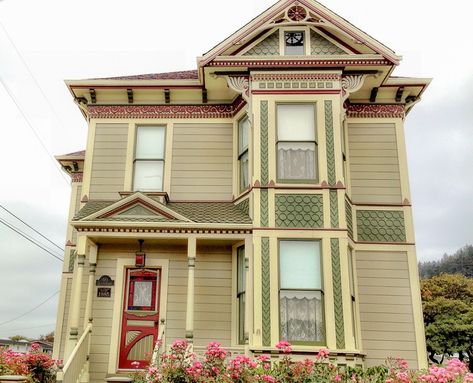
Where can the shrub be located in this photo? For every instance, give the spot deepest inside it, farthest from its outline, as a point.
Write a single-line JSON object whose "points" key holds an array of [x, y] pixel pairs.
{"points": [[217, 366]]}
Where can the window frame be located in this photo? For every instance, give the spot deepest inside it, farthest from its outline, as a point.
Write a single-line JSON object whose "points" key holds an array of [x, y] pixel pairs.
{"points": [[135, 159], [242, 153], [321, 290], [282, 39], [316, 142], [241, 294]]}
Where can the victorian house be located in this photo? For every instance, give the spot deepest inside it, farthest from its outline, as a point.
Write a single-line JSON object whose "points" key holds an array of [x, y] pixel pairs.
{"points": [[262, 196]]}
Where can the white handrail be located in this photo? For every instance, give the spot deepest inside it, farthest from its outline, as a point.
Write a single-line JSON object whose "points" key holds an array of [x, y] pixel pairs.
{"points": [[73, 368]]}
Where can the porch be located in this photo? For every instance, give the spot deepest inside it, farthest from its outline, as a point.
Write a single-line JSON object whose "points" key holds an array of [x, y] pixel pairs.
{"points": [[196, 283]]}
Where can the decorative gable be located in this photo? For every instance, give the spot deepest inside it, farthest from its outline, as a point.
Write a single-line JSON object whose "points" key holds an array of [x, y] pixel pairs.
{"points": [[321, 46], [138, 211], [268, 47]]}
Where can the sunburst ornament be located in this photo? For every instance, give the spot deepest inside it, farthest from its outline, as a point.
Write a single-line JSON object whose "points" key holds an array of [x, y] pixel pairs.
{"points": [[297, 13]]}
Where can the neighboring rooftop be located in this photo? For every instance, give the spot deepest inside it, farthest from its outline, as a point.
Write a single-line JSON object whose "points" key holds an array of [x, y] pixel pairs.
{"points": [[180, 75]]}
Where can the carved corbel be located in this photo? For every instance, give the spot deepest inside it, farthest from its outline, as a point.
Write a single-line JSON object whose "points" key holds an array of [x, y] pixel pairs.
{"points": [[241, 84], [351, 84]]}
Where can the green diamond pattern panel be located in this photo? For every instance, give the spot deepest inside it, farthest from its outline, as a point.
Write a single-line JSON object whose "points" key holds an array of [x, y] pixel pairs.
{"points": [[349, 216], [334, 208], [299, 210], [321, 46], [72, 259], [268, 47], [380, 226], [330, 142], [337, 293], [264, 218], [264, 142], [266, 291]]}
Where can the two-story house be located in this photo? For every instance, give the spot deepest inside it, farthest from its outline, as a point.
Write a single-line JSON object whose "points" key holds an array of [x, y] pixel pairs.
{"points": [[262, 196]]}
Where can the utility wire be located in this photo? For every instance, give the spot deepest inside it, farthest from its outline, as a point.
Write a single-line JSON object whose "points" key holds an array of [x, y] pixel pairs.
{"points": [[30, 72], [32, 228], [30, 311], [31, 328], [25, 117], [18, 231]]}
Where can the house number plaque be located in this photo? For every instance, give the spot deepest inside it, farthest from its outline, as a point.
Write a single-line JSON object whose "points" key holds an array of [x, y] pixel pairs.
{"points": [[104, 292]]}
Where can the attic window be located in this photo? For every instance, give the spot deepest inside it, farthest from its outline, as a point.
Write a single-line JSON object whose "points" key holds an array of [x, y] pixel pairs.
{"points": [[294, 43]]}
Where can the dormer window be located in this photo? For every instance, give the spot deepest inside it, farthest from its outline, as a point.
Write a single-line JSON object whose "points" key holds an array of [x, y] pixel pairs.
{"points": [[294, 43]]}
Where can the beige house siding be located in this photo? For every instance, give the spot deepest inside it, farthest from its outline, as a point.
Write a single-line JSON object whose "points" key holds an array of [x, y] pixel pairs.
{"points": [[65, 317], [374, 163], [387, 322], [108, 162], [212, 298], [202, 162]]}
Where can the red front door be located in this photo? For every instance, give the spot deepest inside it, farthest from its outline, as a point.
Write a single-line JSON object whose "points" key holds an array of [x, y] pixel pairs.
{"points": [[140, 317]]}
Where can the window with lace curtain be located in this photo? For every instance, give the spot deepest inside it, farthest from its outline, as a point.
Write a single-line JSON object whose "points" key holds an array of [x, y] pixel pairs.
{"points": [[301, 312], [296, 143]]}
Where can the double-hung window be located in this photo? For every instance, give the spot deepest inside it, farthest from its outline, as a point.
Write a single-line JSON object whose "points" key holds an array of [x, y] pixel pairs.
{"points": [[243, 134], [241, 293], [296, 143], [301, 313], [148, 164]]}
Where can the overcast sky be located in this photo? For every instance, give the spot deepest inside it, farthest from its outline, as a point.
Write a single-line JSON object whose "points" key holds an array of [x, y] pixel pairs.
{"points": [[61, 39]]}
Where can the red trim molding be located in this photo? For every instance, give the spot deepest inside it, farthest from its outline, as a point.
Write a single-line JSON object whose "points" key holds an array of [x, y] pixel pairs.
{"points": [[165, 230], [376, 111], [298, 63], [295, 76], [167, 111], [300, 91]]}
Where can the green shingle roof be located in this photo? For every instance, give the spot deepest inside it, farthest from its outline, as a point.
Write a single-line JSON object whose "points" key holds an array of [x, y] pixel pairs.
{"points": [[198, 212]]}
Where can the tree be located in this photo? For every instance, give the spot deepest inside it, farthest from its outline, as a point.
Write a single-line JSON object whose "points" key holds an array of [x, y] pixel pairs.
{"points": [[459, 263], [16, 338], [447, 302], [49, 337]]}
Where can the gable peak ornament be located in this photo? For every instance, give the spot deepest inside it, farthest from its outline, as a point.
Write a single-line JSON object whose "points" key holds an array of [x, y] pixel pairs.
{"points": [[297, 13]]}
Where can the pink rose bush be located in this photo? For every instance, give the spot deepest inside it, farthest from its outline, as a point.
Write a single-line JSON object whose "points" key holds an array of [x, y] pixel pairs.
{"points": [[36, 365], [218, 366]]}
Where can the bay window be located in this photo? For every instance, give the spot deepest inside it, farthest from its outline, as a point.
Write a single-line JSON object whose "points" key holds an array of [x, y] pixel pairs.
{"points": [[296, 143], [148, 164], [243, 160], [301, 314]]}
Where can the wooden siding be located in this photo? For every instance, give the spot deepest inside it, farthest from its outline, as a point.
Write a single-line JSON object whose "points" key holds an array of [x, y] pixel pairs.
{"points": [[374, 163], [384, 294], [212, 298], [202, 162], [108, 162], [65, 317]]}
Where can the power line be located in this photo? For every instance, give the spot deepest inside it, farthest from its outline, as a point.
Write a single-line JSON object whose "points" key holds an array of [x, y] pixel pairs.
{"points": [[10, 93], [30, 311], [30, 72], [24, 235], [31, 328], [32, 228]]}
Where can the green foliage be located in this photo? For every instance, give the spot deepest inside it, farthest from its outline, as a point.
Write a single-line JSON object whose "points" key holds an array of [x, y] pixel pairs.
{"points": [[448, 315], [459, 263]]}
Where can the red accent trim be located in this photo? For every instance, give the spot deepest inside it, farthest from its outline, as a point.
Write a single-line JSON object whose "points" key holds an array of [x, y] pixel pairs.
{"points": [[126, 86], [295, 76], [167, 111], [77, 177], [298, 228], [300, 63], [293, 91], [134, 202], [341, 42], [376, 110]]}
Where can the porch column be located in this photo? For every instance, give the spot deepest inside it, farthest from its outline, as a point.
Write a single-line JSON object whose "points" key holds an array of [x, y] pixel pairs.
{"points": [[191, 254], [74, 312], [249, 310], [90, 285]]}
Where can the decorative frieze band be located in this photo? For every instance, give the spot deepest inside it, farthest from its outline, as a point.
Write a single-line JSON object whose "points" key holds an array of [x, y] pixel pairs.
{"points": [[167, 111], [298, 63], [162, 230], [376, 111], [295, 76], [77, 177]]}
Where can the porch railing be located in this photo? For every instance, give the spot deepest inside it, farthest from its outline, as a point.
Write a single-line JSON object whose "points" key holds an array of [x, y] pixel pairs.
{"points": [[155, 359], [76, 365]]}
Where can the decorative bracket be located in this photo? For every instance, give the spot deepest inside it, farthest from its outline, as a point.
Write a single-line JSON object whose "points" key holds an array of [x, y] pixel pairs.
{"points": [[351, 84], [240, 84]]}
